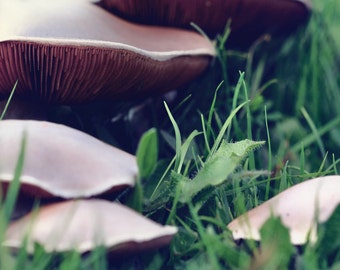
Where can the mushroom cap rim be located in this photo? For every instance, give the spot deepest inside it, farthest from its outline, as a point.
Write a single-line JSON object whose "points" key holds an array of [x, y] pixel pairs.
{"points": [[88, 245], [156, 55], [66, 194]]}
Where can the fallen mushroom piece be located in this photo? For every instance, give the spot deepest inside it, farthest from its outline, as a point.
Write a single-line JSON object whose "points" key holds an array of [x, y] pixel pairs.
{"points": [[74, 51], [61, 161], [86, 224], [299, 207], [249, 18]]}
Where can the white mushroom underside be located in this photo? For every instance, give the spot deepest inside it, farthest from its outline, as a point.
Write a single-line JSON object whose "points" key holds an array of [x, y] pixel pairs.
{"points": [[298, 207], [84, 225], [63, 161], [80, 23]]}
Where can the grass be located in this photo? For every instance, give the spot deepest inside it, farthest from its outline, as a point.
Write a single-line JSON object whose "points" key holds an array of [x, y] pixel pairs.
{"points": [[203, 160]]}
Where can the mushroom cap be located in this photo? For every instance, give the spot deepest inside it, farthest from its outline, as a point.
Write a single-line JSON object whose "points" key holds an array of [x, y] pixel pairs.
{"points": [[249, 18], [74, 51], [86, 224], [299, 207], [62, 161]]}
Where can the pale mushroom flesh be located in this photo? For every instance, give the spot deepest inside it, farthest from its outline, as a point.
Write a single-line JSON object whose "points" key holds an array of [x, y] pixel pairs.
{"points": [[60, 161], [300, 207], [83, 225]]}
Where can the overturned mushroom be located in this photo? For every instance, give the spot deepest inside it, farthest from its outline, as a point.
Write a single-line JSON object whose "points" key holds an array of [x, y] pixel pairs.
{"points": [[300, 208], [249, 18], [74, 51], [61, 161], [85, 224]]}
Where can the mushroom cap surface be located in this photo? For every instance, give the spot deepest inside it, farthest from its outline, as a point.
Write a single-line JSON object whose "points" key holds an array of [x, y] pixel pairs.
{"points": [[249, 18], [62, 161], [74, 51], [86, 224], [298, 207]]}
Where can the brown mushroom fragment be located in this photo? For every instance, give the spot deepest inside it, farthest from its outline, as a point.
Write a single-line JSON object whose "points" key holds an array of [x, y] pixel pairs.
{"points": [[300, 208], [85, 224], [249, 18], [74, 51], [61, 161]]}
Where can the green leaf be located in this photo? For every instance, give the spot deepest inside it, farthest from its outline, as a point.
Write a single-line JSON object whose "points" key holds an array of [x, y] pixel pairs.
{"points": [[217, 168], [147, 153], [276, 249], [329, 236]]}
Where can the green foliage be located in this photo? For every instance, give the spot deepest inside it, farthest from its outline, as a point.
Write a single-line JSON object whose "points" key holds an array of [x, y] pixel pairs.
{"points": [[328, 245], [276, 249], [217, 168], [147, 153]]}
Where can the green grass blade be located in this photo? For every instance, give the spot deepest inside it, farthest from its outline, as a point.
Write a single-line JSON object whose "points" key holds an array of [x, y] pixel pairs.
{"points": [[13, 189], [8, 101], [270, 166], [224, 128], [177, 136], [314, 130]]}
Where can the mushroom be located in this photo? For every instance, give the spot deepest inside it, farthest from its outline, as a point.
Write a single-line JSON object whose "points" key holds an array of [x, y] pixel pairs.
{"points": [[74, 51], [249, 18], [300, 208], [61, 161], [85, 224]]}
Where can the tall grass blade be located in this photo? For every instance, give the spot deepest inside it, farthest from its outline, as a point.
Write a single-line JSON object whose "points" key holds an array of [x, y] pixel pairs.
{"points": [[8, 101], [224, 128]]}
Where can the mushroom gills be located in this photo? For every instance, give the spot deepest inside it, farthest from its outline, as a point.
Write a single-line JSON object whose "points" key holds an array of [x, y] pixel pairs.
{"points": [[82, 53]]}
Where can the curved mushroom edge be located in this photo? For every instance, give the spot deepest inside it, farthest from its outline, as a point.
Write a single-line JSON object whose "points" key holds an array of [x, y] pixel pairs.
{"points": [[100, 233], [300, 207]]}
